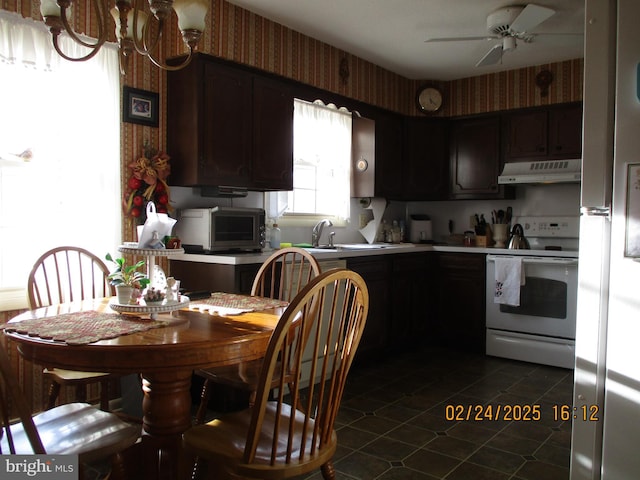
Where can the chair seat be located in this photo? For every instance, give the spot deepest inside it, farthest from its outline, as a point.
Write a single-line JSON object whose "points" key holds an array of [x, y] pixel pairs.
{"points": [[224, 440], [71, 376], [77, 428]]}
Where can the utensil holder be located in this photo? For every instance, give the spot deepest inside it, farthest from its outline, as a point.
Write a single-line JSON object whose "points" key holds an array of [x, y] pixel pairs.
{"points": [[500, 234]]}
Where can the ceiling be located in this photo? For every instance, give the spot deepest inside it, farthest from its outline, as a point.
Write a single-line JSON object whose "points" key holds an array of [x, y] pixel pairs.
{"points": [[392, 33]]}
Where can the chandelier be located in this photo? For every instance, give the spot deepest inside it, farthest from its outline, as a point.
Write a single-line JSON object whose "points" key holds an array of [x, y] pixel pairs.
{"points": [[135, 29]]}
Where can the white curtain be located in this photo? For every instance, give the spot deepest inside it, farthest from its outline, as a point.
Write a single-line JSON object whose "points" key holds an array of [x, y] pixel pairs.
{"points": [[59, 151], [322, 145]]}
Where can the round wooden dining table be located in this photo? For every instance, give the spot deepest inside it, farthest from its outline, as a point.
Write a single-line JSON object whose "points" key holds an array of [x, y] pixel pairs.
{"points": [[165, 357]]}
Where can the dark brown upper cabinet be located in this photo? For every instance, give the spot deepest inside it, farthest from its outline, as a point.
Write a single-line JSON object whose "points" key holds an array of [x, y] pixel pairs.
{"points": [[425, 165], [543, 133], [389, 150], [475, 158], [227, 126]]}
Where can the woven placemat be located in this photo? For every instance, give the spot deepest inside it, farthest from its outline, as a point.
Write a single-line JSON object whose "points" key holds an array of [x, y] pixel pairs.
{"points": [[81, 328], [244, 303]]}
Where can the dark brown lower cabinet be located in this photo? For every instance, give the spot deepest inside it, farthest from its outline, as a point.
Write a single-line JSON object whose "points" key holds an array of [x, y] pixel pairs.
{"points": [[460, 305], [411, 301], [214, 277], [376, 272]]}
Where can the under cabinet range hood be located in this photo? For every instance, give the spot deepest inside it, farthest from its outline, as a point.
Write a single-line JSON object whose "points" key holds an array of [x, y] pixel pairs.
{"points": [[551, 171]]}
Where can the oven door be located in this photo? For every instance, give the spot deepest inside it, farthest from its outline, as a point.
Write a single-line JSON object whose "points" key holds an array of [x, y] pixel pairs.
{"points": [[547, 299]]}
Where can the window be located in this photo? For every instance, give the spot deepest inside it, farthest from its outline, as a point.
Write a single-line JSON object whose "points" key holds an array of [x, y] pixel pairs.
{"points": [[59, 152], [321, 166]]}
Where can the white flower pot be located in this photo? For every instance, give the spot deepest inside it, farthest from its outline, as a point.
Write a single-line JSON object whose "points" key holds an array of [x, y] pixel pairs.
{"points": [[124, 294]]}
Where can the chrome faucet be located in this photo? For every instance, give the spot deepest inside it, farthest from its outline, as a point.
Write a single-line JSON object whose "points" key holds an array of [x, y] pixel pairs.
{"points": [[317, 231]]}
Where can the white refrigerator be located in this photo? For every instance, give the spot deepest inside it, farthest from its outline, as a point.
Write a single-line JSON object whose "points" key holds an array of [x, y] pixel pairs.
{"points": [[606, 403]]}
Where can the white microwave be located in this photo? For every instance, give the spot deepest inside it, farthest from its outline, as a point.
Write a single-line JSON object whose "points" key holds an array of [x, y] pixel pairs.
{"points": [[220, 229]]}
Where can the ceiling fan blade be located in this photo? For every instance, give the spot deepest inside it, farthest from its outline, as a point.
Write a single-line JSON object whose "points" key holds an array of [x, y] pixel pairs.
{"points": [[457, 39], [492, 57], [532, 16]]}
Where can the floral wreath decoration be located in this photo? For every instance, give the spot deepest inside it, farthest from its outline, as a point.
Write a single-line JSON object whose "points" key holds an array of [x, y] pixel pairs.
{"points": [[147, 182]]}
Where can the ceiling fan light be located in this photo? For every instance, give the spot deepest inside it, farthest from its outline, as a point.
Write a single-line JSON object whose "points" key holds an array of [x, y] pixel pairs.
{"points": [[191, 14], [508, 43]]}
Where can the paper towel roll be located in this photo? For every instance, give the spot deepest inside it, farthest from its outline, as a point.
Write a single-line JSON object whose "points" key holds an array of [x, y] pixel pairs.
{"points": [[370, 230]]}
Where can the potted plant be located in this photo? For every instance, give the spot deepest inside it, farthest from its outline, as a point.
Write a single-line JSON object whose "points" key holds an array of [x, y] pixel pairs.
{"points": [[127, 278]]}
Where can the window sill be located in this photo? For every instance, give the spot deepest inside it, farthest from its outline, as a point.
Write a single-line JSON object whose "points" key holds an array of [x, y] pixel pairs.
{"points": [[13, 299]]}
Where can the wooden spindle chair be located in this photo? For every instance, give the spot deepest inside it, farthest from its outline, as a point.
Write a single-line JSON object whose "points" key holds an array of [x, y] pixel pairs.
{"points": [[281, 276], [68, 274], [294, 433]]}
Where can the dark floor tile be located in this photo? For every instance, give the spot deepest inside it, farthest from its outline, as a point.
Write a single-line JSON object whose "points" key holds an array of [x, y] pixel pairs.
{"points": [[435, 423], [497, 459], [398, 413], [471, 432], [553, 454], [361, 466], [375, 424], [530, 430], [451, 446], [469, 471], [347, 415], [431, 463], [411, 434], [404, 473], [354, 438], [535, 470], [388, 449], [517, 445], [364, 404]]}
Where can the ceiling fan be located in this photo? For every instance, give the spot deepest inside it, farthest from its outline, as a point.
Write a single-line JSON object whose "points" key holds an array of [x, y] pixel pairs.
{"points": [[507, 24]]}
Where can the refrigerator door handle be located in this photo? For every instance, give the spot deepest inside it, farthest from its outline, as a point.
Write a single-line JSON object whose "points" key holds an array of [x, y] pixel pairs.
{"points": [[596, 212]]}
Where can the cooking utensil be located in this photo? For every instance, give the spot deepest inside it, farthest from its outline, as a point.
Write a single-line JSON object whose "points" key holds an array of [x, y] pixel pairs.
{"points": [[508, 215], [518, 241]]}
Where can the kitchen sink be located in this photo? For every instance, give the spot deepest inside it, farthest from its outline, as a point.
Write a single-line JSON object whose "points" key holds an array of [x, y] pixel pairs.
{"points": [[356, 246]]}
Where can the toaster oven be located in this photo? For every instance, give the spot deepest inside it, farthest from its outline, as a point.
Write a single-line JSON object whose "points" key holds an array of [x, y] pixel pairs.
{"points": [[219, 229]]}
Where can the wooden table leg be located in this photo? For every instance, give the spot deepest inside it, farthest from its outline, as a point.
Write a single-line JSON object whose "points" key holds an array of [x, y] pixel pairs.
{"points": [[166, 407]]}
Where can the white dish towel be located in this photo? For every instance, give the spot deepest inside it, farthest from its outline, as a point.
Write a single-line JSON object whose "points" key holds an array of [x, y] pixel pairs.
{"points": [[509, 279]]}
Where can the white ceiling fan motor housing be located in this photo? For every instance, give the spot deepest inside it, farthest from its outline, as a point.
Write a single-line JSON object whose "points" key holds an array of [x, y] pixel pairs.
{"points": [[499, 22]]}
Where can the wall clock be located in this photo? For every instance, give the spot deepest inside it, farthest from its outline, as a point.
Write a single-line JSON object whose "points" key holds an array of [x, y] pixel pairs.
{"points": [[429, 99]]}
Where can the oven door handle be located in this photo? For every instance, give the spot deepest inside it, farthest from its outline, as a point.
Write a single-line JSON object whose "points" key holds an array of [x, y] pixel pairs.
{"points": [[566, 262]]}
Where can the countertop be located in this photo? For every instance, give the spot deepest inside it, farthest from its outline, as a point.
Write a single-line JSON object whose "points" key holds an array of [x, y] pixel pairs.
{"points": [[401, 248]]}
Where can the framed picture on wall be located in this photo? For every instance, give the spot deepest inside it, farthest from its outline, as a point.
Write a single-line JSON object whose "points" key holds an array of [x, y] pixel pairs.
{"points": [[140, 106]]}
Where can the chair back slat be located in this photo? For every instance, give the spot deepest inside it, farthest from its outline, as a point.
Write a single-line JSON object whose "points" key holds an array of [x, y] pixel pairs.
{"points": [[327, 317], [67, 274], [285, 273]]}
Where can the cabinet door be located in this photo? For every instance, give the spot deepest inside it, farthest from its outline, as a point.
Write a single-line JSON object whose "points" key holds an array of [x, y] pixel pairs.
{"points": [[475, 158], [389, 152], [411, 292], [526, 135], [565, 132], [461, 300], [272, 135], [425, 166], [225, 157], [376, 273]]}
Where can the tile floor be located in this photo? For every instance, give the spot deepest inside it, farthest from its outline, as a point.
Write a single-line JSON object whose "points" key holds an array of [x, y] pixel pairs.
{"points": [[392, 423]]}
